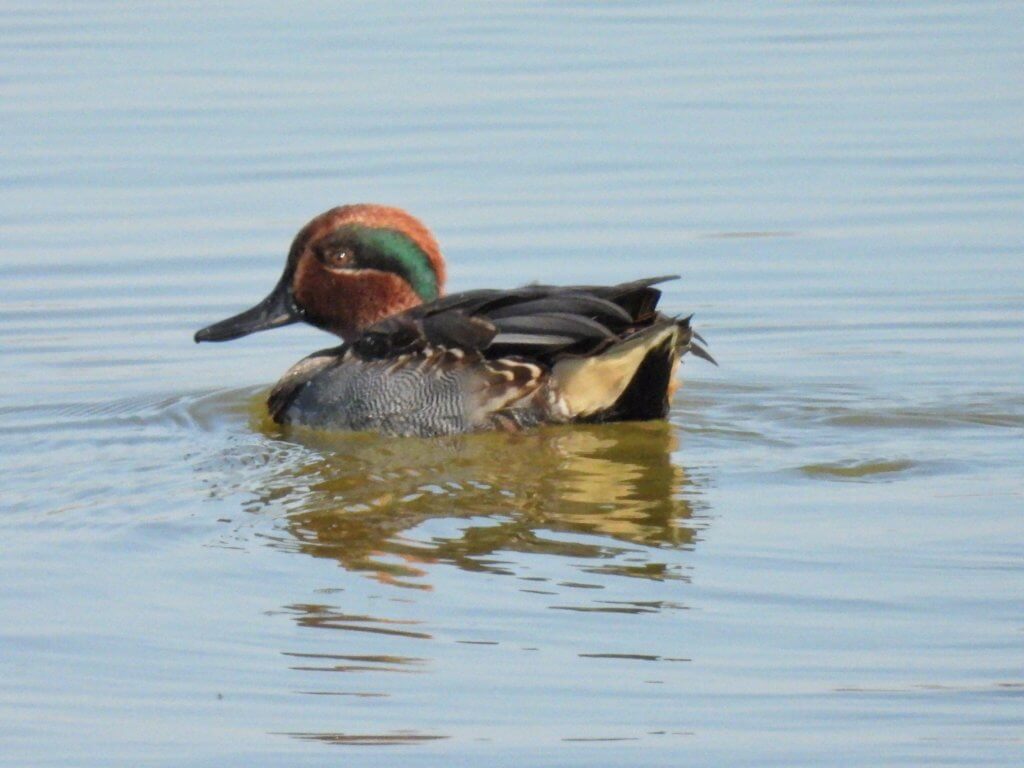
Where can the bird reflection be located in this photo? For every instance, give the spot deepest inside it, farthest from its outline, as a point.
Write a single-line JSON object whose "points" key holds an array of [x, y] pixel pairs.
{"points": [[391, 506]]}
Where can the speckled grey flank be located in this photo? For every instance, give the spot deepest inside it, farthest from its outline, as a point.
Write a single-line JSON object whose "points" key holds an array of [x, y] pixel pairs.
{"points": [[384, 398]]}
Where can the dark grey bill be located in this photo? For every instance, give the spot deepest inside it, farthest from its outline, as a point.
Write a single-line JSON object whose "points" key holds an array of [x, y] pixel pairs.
{"points": [[274, 311]]}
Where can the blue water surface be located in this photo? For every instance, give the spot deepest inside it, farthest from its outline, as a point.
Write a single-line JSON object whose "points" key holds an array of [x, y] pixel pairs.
{"points": [[818, 561]]}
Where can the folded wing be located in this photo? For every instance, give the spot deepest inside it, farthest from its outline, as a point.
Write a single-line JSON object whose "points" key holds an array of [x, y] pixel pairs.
{"points": [[538, 322]]}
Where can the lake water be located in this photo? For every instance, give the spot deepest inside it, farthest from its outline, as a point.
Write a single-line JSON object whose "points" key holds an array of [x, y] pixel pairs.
{"points": [[819, 560]]}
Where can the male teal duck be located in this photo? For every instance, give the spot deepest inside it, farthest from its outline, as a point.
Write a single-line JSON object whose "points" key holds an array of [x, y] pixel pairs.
{"points": [[417, 362]]}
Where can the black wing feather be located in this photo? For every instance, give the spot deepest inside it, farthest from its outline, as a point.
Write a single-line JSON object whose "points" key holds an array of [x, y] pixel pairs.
{"points": [[581, 304], [546, 323], [457, 330], [543, 321]]}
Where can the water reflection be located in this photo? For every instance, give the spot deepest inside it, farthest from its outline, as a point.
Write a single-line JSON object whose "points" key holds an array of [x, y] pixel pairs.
{"points": [[606, 501], [390, 506]]}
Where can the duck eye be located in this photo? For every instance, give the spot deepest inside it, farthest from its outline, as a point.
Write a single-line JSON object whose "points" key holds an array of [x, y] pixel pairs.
{"points": [[337, 258]]}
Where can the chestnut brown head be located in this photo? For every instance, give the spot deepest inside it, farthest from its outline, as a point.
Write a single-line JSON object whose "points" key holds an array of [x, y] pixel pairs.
{"points": [[347, 268]]}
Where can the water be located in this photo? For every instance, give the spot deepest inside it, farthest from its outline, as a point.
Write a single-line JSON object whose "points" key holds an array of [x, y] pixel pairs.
{"points": [[817, 561]]}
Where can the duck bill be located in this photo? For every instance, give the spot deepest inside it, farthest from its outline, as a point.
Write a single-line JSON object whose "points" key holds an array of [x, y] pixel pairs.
{"points": [[276, 310]]}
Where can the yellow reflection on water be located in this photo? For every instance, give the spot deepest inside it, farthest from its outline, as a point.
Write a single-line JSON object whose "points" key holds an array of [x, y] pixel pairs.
{"points": [[359, 498]]}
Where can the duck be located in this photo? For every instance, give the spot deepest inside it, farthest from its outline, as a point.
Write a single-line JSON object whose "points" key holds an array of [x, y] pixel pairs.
{"points": [[415, 361]]}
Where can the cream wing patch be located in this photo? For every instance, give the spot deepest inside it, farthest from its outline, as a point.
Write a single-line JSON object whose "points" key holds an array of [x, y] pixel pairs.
{"points": [[582, 386]]}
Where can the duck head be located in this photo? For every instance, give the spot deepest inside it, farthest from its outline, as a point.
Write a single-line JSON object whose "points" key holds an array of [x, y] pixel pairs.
{"points": [[347, 268]]}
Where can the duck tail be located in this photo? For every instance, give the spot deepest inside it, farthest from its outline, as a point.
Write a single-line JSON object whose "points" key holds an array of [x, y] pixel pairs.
{"points": [[691, 341], [630, 381]]}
